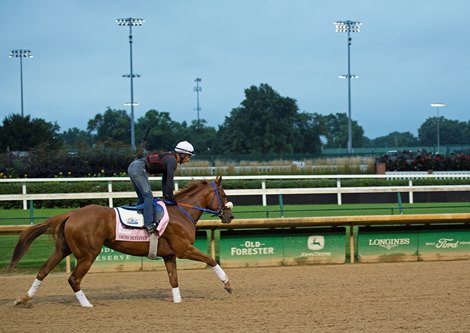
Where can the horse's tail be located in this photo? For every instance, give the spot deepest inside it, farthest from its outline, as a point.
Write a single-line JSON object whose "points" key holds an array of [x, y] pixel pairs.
{"points": [[27, 236]]}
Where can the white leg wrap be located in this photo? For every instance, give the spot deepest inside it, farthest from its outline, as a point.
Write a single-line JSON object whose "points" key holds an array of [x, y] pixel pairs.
{"points": [[34, 288], [220, 273], [176, 295], [83, 300]]}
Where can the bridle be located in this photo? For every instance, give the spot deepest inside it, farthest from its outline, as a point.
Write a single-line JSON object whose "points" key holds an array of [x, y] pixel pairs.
{"points": [[218, 213]]}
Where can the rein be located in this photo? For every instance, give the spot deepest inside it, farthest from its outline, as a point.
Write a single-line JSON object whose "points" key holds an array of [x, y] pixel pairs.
{"points": [[217, 213]]}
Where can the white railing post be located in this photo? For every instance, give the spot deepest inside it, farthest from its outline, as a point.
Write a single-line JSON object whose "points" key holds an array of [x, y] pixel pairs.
{"points": [[25, 201], [263, 187], [410, 184], [110, 190], [338, 195]]}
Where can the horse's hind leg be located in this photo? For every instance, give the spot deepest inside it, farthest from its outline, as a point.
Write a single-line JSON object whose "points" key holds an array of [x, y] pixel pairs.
{"points": [[84, 263], [61, 251], [82, 267], [170, 264], [85, 244]]}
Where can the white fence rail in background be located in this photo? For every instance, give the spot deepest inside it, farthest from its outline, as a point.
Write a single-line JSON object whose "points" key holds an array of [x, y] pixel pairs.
{"points": [[24, 196]]}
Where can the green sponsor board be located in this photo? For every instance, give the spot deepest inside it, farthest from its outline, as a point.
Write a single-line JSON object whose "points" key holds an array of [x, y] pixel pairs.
{"points": [[444, 244], [111, 260], [238, 249], [315, 246], [282, 247], [382, 244]]}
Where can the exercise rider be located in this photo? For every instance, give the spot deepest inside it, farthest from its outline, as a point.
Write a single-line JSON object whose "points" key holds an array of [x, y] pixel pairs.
{"points": [[153, 164]]}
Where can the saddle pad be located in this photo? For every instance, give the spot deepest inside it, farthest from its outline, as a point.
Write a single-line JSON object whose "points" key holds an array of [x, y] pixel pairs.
{"points": [[134, 219]]}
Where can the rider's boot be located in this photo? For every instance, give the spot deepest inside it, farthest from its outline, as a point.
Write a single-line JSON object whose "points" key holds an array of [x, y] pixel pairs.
{"points": [[149, 221], [158, 213], [151, 227]]}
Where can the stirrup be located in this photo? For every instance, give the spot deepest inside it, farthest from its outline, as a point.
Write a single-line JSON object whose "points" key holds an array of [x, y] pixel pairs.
{"points": [[152, 227]]}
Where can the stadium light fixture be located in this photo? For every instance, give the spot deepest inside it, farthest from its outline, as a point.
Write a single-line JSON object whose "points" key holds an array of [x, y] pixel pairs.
{"points": [[438, 106], [198, 89], [131, 22], [21, 54], [349, 26]]}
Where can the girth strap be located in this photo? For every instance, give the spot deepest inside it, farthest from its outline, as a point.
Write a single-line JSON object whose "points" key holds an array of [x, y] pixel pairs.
{"points": [[153, 246]]}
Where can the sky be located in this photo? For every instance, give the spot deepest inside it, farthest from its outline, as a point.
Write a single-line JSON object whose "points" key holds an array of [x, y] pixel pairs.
{"points": [[408, 54]]}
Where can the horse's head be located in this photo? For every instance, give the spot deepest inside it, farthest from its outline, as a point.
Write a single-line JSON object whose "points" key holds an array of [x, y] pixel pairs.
{"points": [[208, 197], [219, 202]]}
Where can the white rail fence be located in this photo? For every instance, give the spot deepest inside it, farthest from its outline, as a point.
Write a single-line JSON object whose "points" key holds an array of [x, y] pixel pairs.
{"points": [[263, 191]]}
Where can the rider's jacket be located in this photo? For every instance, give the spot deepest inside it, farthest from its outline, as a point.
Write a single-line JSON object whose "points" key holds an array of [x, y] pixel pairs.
{"points": [[158, 162], [164, 164]]}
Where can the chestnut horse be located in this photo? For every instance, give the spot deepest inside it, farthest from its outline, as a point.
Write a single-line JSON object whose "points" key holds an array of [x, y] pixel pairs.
{"points": [[84, 231]]}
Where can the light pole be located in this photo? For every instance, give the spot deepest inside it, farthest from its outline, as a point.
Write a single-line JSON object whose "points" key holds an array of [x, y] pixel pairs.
{"points": [[21, 54], [197, 89], [348, 26], [131, 22], [437, 106]]}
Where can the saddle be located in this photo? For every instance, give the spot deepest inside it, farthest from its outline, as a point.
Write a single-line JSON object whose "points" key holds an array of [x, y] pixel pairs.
{"points": [[131, 216], [130, 225]]}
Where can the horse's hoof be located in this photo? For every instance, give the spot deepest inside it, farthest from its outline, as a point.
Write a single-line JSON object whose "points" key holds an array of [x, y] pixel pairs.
{"points": [[228, 287], [21, 301]]}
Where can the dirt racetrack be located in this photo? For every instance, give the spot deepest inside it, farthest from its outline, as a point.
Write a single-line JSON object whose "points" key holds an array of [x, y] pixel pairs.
{"points": [[392, 297]]}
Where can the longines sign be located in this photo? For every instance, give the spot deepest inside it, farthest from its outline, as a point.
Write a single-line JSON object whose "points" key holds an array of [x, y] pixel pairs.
{"points": [[377, 244], [386, 244], [389, 243]]}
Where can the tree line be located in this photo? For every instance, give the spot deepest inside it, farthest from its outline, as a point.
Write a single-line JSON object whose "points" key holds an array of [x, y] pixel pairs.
{"points": [[265, 122]]}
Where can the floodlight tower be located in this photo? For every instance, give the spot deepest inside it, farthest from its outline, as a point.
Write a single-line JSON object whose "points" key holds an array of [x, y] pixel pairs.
{"points": [[437, 106], [21, 54], [348, 26], [131, 22], [197, 89]]}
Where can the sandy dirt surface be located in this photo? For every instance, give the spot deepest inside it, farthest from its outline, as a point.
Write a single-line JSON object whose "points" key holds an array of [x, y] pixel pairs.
{"points": [[392, 297]]}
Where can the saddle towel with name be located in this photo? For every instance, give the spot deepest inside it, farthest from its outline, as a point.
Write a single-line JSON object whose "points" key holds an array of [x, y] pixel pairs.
{"points": [[130, 224]]}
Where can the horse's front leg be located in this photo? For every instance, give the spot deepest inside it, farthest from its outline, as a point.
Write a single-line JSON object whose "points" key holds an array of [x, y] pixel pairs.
{"points": [[194, 253], [170, 264]]}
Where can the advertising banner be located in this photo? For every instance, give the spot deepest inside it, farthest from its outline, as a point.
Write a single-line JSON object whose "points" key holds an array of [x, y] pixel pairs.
{"points": [[444, 244], [110, 260], [384, 244], [251, 249], [282, 247], [317, 246]]}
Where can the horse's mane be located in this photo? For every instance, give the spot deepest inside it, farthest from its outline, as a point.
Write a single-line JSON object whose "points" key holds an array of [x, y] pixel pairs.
{"points": [[190, 187]]}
